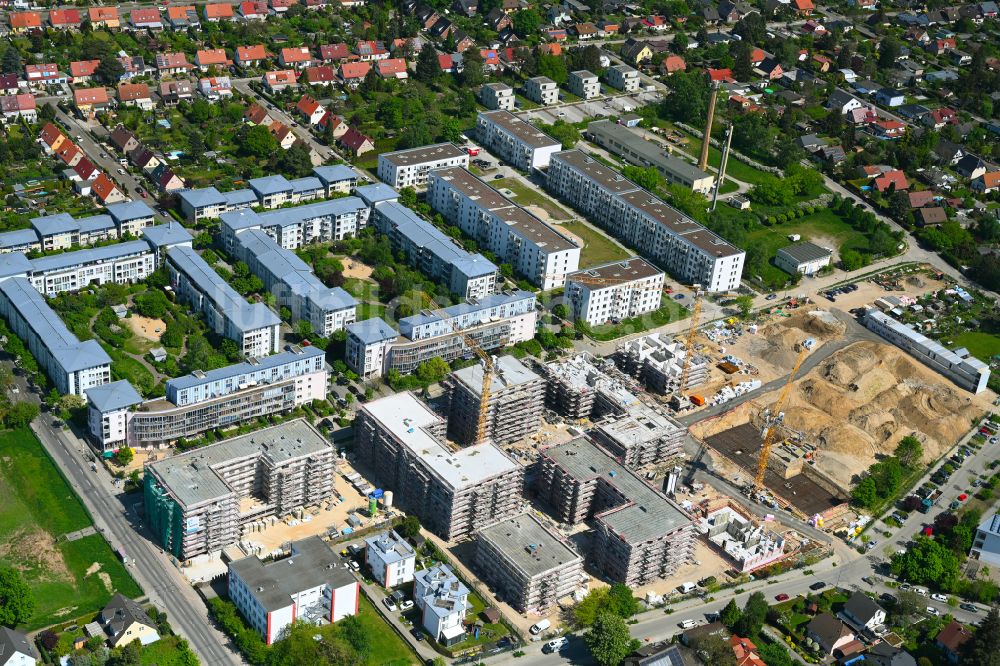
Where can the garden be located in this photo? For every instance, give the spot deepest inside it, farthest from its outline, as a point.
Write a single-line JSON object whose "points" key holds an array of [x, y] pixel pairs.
{"points": [[597, 248]]}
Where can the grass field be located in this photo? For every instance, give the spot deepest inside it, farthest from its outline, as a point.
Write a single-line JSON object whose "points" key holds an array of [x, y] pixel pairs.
{"points": [[526, 196], [37, 507], [387, 648], [983, 346], [597, 247], [670, 311]]}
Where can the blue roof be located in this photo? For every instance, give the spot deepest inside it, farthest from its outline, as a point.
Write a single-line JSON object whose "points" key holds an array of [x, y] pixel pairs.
{"points": [[376, 193], [18, 238], [266, 363], [199, 198], [115, 395], [237, 197], [96, 223], [243, 315], [48, 225], [71, 354], [372, 330], [89, 255], [14, 263], [335, 174], [307, 184], [168, 234], [283, 217], [270, 185], [129, 210], [486, 303], [241, 219]]}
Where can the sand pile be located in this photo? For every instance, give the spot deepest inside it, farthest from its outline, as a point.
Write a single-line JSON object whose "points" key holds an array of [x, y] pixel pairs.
{"points": [[862, 400], [776, 345]]}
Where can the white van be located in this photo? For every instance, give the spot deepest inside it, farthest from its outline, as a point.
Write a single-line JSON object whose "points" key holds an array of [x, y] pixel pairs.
{"points": [[555, 644], [686, 587], [539, 627], [688, 624]]}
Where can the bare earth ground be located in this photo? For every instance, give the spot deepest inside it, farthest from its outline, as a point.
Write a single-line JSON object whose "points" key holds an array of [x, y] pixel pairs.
{"points": [[146, 327], [35, 549], [356, 269]]}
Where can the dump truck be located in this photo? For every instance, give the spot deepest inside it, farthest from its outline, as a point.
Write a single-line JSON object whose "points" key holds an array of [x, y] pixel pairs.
{"points": [[697, 399], [930, 501]]}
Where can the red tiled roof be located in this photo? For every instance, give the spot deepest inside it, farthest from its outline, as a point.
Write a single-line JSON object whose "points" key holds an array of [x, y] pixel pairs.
{"points": [[79, 68], [339, 51], [392, 67], [296, 54], [218, 10], [25, 20], [103, 187], [256, 52], [90, 96], [100, 14], [321, 74], [354, 70], [130, 92], [60, 17]]}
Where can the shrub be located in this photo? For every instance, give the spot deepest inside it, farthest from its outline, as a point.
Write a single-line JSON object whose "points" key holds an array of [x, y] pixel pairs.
{"points": [[770, 220]]}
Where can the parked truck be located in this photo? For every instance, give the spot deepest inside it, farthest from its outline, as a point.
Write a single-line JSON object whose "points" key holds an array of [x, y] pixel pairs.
{"points": [[930, 501]]}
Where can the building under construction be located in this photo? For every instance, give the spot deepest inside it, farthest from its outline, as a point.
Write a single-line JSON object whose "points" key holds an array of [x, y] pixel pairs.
{"points": [[578, 388], [659, 363], [640, 535], [514, 410], [454, 493], [197, 502], [643, 436], [530, 566]]}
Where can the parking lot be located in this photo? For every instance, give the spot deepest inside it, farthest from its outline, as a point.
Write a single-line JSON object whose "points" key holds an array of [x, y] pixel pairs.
{"points": [[608, 107]]}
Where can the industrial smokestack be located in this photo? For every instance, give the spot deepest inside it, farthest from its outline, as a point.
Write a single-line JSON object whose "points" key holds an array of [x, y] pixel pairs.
{"points": [[703, 159], [722, 166]]}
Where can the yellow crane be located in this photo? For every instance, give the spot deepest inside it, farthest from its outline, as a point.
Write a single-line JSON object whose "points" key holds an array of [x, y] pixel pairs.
{"points": [[689, 343], [774, 419], [488, 373]]}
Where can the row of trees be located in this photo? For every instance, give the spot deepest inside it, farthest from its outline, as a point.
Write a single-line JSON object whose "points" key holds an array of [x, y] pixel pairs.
{"points": [[883, 479]]}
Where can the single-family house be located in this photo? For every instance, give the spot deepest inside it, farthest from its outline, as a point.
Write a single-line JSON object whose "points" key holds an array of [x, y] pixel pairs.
{"points": [[830, 633], [125, 621], [146, 18], [81, 71], [392, 68], [862, 612], [218, 11], [280, 79], [353, 73], [251, 56], [172, 64], [986, 183], [104, 17], [311, 110], [135, 94], [356, 142], [952, 638], [298, 57], [64, 19], [206, 58], [891, 181], [90, 101]]}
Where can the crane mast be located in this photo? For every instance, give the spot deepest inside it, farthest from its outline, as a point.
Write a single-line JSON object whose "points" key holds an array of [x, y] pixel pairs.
{"points": [[774, 419]]}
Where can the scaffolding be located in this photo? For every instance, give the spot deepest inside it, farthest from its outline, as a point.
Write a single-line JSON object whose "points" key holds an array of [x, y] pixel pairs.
{"points": [[513, 407]]}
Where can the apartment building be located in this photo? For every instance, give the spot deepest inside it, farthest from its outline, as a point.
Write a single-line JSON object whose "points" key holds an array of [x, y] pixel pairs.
{"points": [[541, 90], [959, 365], [204, 401], [294, 284], [443, 602], [409, 168], [582, 388], [625, 143], [640, 536], [641, 436], [660, 232], [514, 412], [658, 362], [74, 367], [122, 263], [63, 231], [497, 96], [291, 228], [253, 327], [584, 84], [391, 559], [198, 502], [454, 493], [514, 140], [534, 249], [986, 545], [622, 77], [434, 253], [309, 585], [528, 565], [337, 179], [208, 203], [20, 240], [368, 345], [614, 291]]}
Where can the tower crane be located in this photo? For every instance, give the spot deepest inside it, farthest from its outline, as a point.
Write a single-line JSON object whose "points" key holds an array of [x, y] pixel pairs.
{"points": [[689, 343], [773, 419], [489, 371]]}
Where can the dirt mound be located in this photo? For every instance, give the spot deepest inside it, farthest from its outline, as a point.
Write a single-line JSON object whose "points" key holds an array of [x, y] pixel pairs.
{"points": [[776, 345], [862, 400], [34, 552]]}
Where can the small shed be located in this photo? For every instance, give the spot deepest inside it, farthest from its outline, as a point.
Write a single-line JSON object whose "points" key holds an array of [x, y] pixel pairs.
{"points": [[159, 354], [803, 257]]}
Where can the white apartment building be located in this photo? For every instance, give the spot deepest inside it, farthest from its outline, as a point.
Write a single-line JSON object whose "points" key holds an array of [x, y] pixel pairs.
{"points": [[515, 140], [310, 585], [497, 96], [692, 253], [541, 90], [622, 77], [368, 345], [291, 228], [123, 263], [443, 601], [584, 84], [534, 249], [614, 291], [409, 168], [391, 559], [986, 545]]}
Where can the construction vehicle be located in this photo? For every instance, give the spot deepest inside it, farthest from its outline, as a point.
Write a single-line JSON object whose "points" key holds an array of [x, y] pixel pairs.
{"points": [[774, 418]]}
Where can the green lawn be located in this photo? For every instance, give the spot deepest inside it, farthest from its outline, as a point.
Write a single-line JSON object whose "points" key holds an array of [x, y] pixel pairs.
{"points": [[735, 168], [598, 248], [983, 346], [387, 648], [526, 196], [670, 311], [489, 633], [37, 507], [162, 653], [369, 310]]}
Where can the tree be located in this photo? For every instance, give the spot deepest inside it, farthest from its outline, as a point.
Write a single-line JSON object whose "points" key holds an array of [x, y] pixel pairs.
{"points": [[303, 328], [774, 654], [688, 99], [124, 455], [608, 639], [110, 69], [21, 414], [11, 63], [909, 452], [566, 133], [152, 304], [851, 260], [714, 649], [552, 66], [559, 310], [753, 615], [865, 494], [433, 370], [409, 527], [743, 67], [621, 602], [983, 649], [888, 50], [927, 562], [472, 67], [296, 161], [645, 177], [428, 68], [744, 303], [259, 142], [730, 615], [16, 602], [527, 22]]}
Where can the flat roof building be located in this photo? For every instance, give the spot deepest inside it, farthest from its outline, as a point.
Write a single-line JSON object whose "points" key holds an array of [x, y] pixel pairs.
{"points": [[541, 90], [804, 257], [584, 84], [623, 77], [198, 502], [533, 248], [642, 436], [121, 263], [614, 291], [391, 559], [659, 362], [581, 387], [453, 492], [515, 140], [530, 566], [515, 406], [409, 168], [291, 228], [497, 96]]}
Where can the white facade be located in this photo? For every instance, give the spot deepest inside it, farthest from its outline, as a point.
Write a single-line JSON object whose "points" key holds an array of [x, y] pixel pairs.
{"points": [[443, 602], [368, 345], [614, 291], [391, 559], [986, 546], [584, 84], [623, 77], [804, 258], [124, 263], [409, 168], [497, 96], [516, 141], [541, 90]]}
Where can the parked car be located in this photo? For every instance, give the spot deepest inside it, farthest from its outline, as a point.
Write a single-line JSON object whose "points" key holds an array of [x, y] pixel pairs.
{"points": [[921, 591], [555, 644], [969, 607], [390, 604], [818, 585], [933, 611], [939, 597]]}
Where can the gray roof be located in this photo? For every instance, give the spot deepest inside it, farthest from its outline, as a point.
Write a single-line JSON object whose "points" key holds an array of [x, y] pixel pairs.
{"points": [[121, 613], [241, 196], [861, 607], [597, 171], [246, 367], [14, 642], [89, 256], [14, 263], [411, 156], [446, 588], [648, 151], [804, 251], [270, 185], [115, 395], [633, 268], [644, 515], [376, 193], [283, 217], [201, 197], [390, 546], [335, 173], [49, 225], [18, 238], [529, 545], [71, 354], [165, 235], [191, 477], [508, 371], [306, 184], [244, 316], [525, 132], [312, 564], [370, 331], [129, 210], [486, 303]]}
